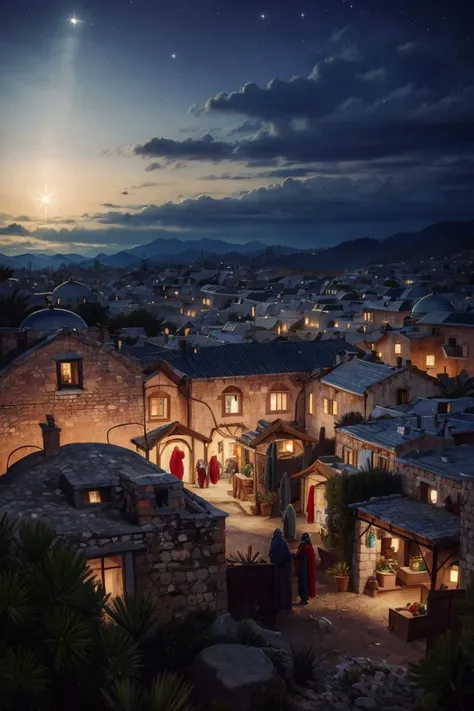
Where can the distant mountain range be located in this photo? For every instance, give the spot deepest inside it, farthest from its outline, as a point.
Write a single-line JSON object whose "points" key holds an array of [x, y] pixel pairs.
{"points": [[438, 240]]}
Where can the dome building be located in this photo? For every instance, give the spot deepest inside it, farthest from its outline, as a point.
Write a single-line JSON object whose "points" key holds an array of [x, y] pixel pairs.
{"points": [[431, 303], [50, 320], [71, 293]]}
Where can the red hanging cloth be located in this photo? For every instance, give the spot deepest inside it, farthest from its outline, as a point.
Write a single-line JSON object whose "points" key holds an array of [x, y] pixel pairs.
{"points": [[214, 470], [310, 506]]}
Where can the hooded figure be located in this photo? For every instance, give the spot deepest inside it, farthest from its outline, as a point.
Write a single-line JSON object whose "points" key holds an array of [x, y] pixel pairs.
{"points": [[176, 463], [281, 556], [214, 469], [306, 569]]}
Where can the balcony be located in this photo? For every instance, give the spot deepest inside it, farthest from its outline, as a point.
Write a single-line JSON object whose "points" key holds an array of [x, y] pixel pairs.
{"points": [[455, 351]]}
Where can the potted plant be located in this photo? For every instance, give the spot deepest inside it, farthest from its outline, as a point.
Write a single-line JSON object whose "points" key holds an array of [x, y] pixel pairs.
{"points": [[266, 499], [340, 571], [386, 571], [410, 622], [247, 470], [251, 587]]}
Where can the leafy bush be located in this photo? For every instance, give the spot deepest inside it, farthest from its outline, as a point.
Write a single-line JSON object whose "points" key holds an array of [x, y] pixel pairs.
{"points": [[341, 491], [249, 558], [446, 675], [339, 569], [178, 642], [304, 664]]}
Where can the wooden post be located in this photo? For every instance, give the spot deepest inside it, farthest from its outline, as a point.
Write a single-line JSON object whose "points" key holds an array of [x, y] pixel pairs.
{"points": [[434, 568]]}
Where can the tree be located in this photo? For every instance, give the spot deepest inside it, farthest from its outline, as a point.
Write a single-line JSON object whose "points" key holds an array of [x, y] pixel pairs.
{"points": [[57, 651], [350, 418], [459, 387], [13, 309], [93, 313], [6, 272], [141, 318]]}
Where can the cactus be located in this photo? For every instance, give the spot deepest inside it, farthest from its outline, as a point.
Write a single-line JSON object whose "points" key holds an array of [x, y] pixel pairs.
{"points": [[289, 523]]}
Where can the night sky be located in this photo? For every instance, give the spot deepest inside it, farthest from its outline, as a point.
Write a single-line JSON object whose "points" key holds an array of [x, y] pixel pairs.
{"points": [[298, 122]]}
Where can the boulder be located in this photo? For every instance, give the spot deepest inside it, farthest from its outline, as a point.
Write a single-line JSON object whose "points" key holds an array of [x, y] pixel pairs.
{"points": [[224, 627], [324, 624], [273, 639], [233, 673]]}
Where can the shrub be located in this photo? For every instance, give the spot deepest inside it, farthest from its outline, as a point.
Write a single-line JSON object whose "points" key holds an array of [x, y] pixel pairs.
{"points": [[304, 664]]}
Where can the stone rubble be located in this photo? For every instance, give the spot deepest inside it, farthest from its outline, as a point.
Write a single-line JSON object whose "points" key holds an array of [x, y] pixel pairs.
{"points": [[359, 683]]}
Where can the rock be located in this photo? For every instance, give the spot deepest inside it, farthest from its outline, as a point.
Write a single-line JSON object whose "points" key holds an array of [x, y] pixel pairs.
{"points": [[224, 627], [271, 638], [281, 661], [365, 702], [232, 673], [324, 624]]}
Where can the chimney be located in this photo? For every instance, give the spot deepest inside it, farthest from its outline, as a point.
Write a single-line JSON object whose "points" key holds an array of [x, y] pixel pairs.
{"points": [[51, 437]]}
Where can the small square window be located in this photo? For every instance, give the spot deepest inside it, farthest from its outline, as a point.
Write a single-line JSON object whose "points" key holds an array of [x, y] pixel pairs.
{"points": [[349, 456], [398, 348], [232, 403], [158, 407], [430, 361], [69, 374]]}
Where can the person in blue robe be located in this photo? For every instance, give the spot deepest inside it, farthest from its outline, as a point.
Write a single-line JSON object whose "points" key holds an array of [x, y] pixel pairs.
{"points": [[281, 557]]}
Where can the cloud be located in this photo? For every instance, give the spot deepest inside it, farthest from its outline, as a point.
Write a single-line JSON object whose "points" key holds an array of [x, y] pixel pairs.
{"points": [[363, 101], [110, 205], [143, 185], [124, 192], [14, 230]]}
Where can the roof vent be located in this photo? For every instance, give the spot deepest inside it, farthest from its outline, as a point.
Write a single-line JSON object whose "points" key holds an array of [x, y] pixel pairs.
{"points": [[404, 429], [446, 460]]}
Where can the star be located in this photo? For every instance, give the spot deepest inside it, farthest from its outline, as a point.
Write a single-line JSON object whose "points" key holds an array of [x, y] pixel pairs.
{"points": [[263, 16], [74, 21], [302, 15], [173, 55]]}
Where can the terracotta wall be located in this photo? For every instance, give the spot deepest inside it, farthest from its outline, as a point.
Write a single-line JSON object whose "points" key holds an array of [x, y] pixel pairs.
{"points": [[112, 395]]}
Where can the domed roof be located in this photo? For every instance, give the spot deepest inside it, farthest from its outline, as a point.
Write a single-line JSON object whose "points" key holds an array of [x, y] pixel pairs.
{"points": [[51, 319], [71, 289], [431, 303]]}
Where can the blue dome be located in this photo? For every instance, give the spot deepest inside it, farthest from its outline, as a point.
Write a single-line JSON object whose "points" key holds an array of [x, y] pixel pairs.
{"points": [[431, 303], [53, 320], [71, 289]]}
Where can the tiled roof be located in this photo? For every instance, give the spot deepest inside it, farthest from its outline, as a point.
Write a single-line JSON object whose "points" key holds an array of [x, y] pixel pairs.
{"points": [[257, 358], [356, 375], [431, 522], [448, 318], [450, 462]]}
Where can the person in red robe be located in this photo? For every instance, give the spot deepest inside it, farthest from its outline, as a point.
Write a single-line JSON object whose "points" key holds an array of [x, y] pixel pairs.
{"points": [[214, 469], [310, 506], [176, 463], [306, 569]]}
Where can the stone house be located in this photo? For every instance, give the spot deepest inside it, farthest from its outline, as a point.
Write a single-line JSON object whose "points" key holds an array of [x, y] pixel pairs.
{"points": [[377, 314], [358, 386], [95, 393], [222, 392], [450, 348], [139, 528]]}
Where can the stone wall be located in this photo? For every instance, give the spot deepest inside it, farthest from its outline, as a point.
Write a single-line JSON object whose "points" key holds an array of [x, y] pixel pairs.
{"points": [[112, 395], [412, 476], [184, 566], [346, 402], [364, 559], [467, 532]]}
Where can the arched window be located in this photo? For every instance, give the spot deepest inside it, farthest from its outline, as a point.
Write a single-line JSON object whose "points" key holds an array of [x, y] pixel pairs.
{"points": [[278, 400], [159, 406], [232, 401]]}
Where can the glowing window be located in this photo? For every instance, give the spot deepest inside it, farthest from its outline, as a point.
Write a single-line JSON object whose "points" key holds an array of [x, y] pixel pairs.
{"points": [[158, 407], [108, 572], [398, 348], [232, 401], [430, 361], [95, 497], [278, 401], [311, 404], [69, 374]]}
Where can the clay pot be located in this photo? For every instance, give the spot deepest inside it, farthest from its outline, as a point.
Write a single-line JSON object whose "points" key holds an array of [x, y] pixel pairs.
{"points": [[386, 580], [342, 582], [266, 509]]}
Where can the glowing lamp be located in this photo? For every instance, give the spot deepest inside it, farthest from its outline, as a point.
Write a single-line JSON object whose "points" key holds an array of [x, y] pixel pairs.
{"points": [[454, 574], [395, 544], [94, 497], [289, 446], [433, 496]]}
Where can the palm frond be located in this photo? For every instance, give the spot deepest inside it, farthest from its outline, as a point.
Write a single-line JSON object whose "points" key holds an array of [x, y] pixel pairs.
{"points": [[124, 695], [170, 692], [137, 614], [35, 540], [15, 600], [7, 541], [22, 675], [68, 637], [121, 654]]}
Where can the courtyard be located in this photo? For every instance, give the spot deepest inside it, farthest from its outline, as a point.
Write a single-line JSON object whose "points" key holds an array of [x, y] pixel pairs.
{"points": [[359, 622]]}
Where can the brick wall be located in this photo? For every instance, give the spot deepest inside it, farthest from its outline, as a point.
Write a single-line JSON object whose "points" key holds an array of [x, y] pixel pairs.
{"points": [[467, 532], [112, 395]]}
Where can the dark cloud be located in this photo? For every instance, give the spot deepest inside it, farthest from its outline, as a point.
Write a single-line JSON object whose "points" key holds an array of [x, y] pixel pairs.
{"points": [[142, 186], [383, 98], [14, 230], [124, 192], [111, 205]]}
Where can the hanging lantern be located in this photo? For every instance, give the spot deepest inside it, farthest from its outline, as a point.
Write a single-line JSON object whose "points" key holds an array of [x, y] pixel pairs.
{"points": [[371, 539]]}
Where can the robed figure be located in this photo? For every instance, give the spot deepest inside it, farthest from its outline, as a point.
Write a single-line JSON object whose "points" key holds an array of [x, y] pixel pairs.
{"points": [[176, 463], [306, 569], [281, 557]]}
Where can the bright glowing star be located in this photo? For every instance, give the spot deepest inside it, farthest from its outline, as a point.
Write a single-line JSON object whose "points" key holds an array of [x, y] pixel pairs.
{"points": [[173, 55], [73, 20], [263, 16], [302, 14]]}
